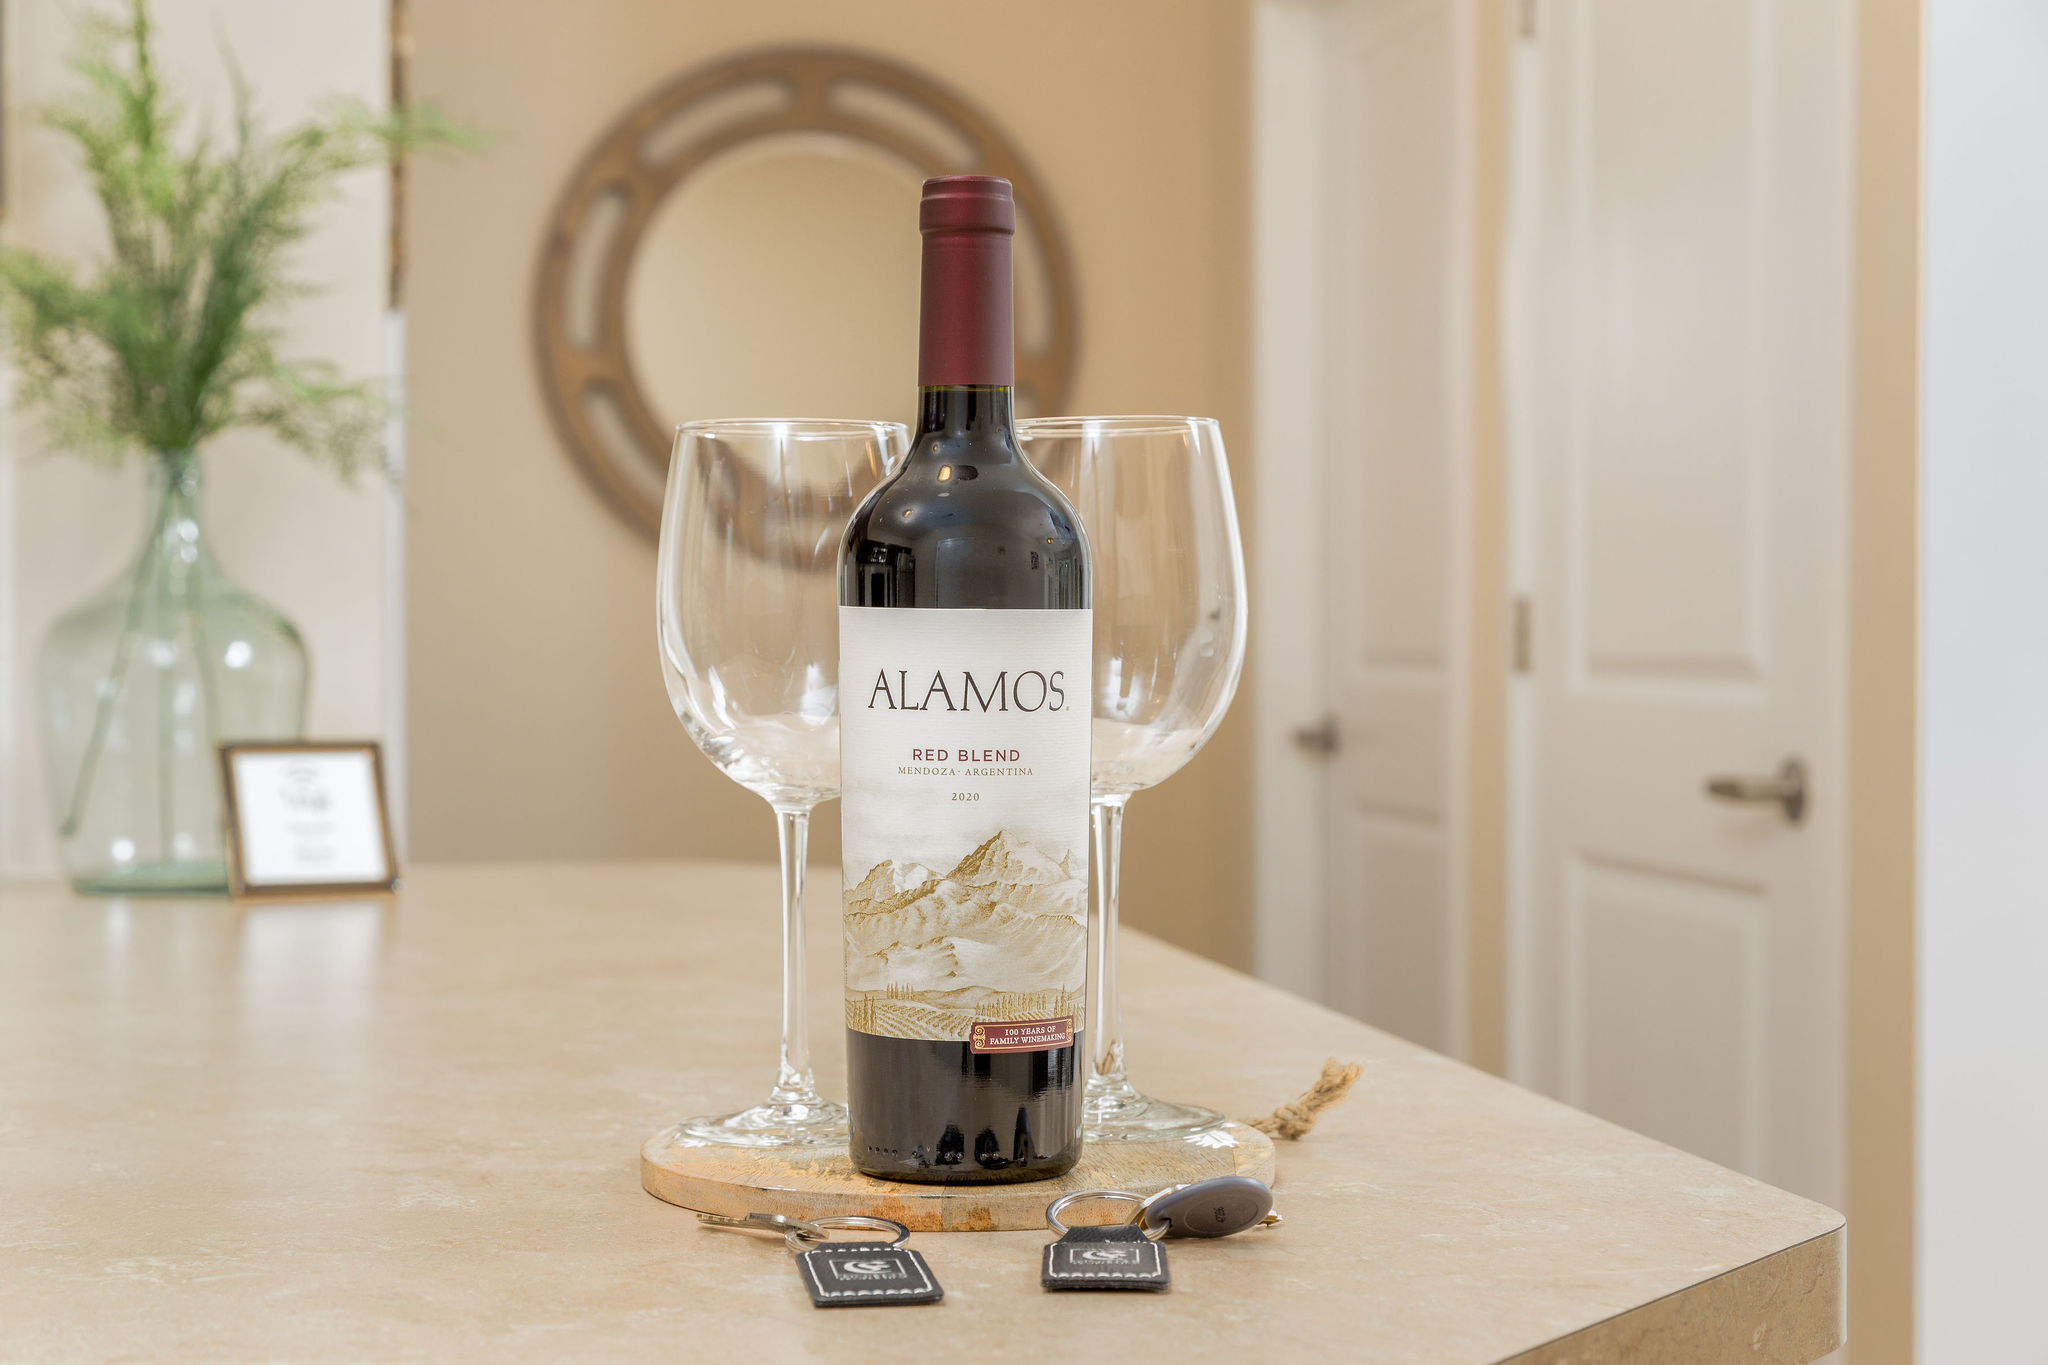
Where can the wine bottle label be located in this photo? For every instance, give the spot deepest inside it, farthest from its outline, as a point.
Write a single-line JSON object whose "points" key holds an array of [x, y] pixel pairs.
{"points": [[963, 746]]}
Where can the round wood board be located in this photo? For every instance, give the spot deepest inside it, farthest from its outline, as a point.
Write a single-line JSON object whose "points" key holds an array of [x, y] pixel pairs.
{"points": [[818, 1182]]}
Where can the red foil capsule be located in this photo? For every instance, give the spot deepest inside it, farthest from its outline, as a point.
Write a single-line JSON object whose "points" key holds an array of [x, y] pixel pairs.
{"points": [[964, 330]]}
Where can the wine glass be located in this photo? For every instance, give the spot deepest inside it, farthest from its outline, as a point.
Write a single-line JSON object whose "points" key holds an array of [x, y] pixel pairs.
{"points": [[747, 616], [1154, 494]]}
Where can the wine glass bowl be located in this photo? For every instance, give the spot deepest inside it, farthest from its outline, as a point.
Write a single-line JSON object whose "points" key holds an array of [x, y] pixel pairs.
{"points": [[1169, 601], [746, 617], [1154, 493], [746, 599]]}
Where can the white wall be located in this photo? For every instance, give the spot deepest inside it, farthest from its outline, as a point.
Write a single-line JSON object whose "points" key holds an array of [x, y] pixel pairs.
{"points": [[1983, 1025], [281, 526]]}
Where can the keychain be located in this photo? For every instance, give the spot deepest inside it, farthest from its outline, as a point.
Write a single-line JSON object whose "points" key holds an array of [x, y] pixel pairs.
{"points": [[1128, 1255], [844, 1274]]}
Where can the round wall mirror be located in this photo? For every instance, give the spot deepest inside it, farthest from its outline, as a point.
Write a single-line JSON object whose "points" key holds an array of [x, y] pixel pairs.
{"points": [[743, 243]]}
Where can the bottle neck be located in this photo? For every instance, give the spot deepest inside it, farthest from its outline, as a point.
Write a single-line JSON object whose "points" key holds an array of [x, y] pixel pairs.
{"points": [[965, 365], [964, 329], [965, 412], [174, 507]]}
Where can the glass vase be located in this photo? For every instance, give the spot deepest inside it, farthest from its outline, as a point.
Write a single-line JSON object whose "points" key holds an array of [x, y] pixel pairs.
{"points": [[139, 683]]}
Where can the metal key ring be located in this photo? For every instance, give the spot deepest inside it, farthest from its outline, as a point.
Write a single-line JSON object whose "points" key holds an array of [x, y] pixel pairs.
{"points": [[1053, 1210], [1145, 1205], [803, 1234]]}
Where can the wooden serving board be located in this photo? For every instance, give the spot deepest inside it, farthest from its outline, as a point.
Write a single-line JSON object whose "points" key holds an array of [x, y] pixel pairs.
{"points": [[818, 1182]]}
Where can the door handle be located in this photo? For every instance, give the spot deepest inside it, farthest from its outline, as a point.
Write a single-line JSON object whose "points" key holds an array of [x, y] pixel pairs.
{"points": [[1786, 789], [1319, 739]]}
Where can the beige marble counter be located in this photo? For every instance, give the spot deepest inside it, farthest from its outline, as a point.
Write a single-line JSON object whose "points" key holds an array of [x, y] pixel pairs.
{"points": [[411, 1131]]}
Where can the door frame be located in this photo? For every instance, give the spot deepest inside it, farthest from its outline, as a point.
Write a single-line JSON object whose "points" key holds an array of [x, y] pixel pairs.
{"points": [[1294, 190], [1286, 664], [1519, 397]]}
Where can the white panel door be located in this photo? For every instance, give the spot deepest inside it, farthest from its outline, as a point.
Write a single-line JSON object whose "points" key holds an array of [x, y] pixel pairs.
{"points": [[1679, 384], [1392, 537]]}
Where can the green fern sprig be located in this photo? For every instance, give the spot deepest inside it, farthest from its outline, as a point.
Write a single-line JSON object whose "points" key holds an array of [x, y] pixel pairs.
{"points": [[173, 339]]}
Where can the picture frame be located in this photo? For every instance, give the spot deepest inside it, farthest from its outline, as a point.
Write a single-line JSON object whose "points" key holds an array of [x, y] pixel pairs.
{"points": [[307, 820]]}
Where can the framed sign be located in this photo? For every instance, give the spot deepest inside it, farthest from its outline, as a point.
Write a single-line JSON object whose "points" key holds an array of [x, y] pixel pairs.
{"points": [[307, 819]]}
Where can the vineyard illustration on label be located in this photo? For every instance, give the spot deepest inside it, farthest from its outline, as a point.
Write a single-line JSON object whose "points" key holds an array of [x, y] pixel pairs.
{"points": [[1000, 937]]}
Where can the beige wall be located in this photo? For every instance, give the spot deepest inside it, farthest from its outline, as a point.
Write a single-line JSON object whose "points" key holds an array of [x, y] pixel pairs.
{"points": [[281, 526], [539, 724]]}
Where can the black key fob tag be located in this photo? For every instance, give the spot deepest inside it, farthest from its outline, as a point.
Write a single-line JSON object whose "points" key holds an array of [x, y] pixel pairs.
{"points": [[1119, 1257], [843, 1274]]}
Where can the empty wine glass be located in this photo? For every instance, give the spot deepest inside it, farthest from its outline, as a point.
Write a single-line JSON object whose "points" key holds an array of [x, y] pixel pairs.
{"points": [[747, 615], [1154, 494]]}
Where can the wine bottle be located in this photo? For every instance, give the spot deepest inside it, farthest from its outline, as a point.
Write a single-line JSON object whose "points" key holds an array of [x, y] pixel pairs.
{"points": [[965, 641]]}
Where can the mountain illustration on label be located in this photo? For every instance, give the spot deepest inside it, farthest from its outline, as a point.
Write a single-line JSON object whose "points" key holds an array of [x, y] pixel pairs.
{"points": [[1002, 937]]}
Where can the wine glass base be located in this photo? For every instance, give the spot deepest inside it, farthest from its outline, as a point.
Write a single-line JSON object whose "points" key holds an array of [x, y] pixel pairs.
{"points": [[1123, 1114], [809, 1123]]}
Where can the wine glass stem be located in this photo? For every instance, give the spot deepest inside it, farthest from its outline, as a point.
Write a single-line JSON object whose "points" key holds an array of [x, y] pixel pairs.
{"points": [[794, 1082], [1107, 817]]}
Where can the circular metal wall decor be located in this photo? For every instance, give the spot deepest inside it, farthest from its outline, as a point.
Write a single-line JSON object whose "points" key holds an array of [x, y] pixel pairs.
{"points": [[581, 342]]}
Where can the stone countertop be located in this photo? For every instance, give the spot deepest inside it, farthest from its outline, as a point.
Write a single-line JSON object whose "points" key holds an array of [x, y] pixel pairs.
{"points": [[409, 1129]]}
